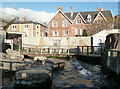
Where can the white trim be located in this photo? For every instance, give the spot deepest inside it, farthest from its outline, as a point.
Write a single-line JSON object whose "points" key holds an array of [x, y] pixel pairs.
{"points": [[102, 16], [56, 14], [80, 16], [89, 18], [54, 22], [112, 14], [63, 25]]}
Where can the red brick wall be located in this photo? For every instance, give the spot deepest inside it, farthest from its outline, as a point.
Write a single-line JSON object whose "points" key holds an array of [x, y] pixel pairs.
{"points": [[78, 26], [44, 30], [89, 27], [59, 18]]}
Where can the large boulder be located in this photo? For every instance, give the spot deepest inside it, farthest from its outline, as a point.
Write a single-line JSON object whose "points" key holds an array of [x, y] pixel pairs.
{"points": [[41, 59], [12, 54], [39, 77]]}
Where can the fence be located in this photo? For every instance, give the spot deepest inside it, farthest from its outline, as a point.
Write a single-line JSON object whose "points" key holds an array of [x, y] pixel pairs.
{"points": [[113, 61], [61, 49]]}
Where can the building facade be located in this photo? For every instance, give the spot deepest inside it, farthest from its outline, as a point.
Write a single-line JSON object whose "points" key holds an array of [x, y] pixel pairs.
{"points": [[72, 24], [30, 28]]}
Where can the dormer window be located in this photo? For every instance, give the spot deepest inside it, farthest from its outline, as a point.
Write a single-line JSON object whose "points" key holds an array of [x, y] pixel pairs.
{"points": [[89, 18], [78, 21]]}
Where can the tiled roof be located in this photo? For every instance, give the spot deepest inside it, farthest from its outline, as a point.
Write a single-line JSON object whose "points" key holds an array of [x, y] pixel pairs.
{"points": [[26, 22], [107, 15]]}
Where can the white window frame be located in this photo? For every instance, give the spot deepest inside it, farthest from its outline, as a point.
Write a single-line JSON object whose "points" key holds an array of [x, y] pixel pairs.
{"points": [[89, 18], [64, 23], [55, 32], [26, 26], [66, 32], [53, 23], [79, 31], [77, 21]]}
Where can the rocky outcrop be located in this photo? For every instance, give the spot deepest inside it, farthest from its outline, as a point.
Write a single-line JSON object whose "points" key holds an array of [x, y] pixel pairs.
{"points": [[12, 54]]}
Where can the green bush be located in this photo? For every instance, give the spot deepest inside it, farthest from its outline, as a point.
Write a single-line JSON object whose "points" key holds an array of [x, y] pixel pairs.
{"points": [[84, 33]]}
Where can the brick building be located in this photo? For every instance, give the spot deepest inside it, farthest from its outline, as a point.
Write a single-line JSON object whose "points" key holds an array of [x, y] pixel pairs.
{"points": [[72, 24]]}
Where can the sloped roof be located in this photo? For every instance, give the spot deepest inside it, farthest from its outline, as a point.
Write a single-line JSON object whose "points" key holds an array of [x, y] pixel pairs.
{"points": [[107, 14], [28, 21]]}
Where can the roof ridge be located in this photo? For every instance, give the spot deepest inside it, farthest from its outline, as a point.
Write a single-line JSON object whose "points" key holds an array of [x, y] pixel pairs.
{"points": [[87, 11]]}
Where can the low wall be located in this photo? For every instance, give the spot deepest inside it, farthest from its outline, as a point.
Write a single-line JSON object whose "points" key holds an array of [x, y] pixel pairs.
{"points": [[57, 41]]}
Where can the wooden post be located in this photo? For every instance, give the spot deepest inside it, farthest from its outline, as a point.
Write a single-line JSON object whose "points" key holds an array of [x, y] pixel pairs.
{"points": [[36, 50], [12, 46], [41, 50], [59, 50], [117, 62], [10, 65], [19, 48], [82, 49], [68, 50], [87, 50], [78, 50]]}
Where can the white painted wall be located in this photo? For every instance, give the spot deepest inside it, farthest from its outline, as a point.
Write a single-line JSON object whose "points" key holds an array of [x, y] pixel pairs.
{"points": [[63, 41]]}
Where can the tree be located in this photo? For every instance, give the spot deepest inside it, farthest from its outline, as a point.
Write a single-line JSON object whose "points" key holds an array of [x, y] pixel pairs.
{"points": [[84, 33], [117, 22]]}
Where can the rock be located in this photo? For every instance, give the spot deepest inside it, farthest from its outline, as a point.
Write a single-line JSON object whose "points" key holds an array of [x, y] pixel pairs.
{"points": [[12, 54], [41, 59], [40, 76], [3, 55], [55, 63]]}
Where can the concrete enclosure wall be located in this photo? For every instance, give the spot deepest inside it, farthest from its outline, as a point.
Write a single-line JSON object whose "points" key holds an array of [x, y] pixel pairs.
{"points": [[57, 41]]}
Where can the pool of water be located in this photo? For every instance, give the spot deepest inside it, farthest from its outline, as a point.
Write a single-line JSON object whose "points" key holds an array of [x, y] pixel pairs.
{"points": [[76, 74]]}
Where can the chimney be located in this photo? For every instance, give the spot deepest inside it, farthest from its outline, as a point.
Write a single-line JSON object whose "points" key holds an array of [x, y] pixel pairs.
{"points": [[23, 19], [44, 23], [71, 11], [99, 9], [60, 7]]}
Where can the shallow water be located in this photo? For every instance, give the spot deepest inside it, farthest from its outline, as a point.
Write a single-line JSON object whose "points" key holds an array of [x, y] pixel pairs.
{"points": [[75, 75]]}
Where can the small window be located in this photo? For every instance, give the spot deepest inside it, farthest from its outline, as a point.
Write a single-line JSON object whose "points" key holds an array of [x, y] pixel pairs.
{"points": [[55, 33], [78, 32], [14, 26], [78, 21], [54, 24], [99, 20], [37, 27], [25, 26], [64, 24], [65, 33], [89, 18]]}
